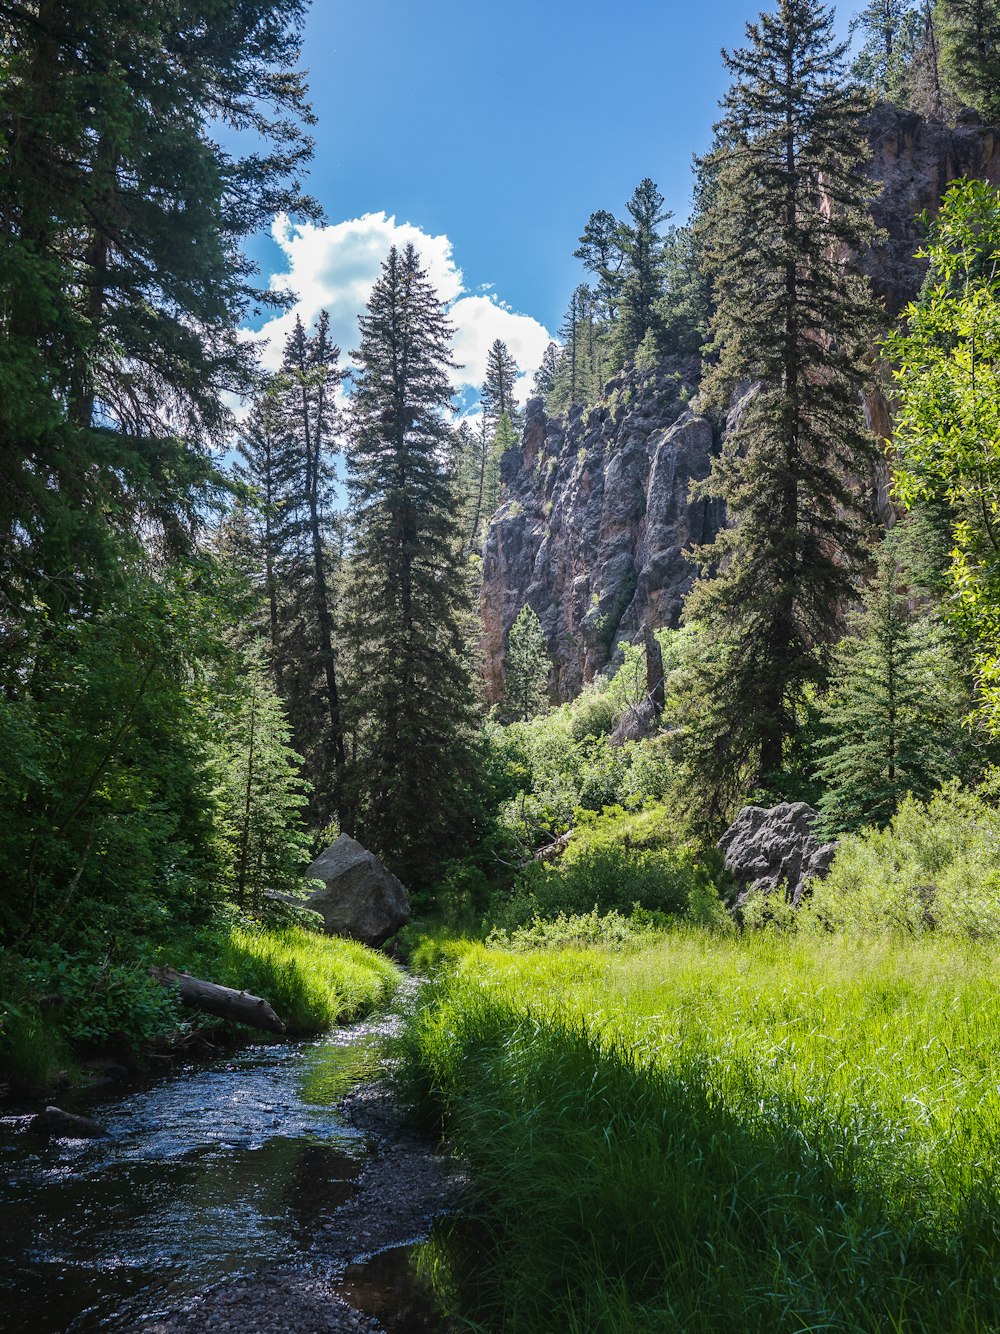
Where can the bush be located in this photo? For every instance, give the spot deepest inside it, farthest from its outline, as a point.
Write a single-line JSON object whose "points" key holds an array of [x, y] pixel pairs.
{"points": [[612, 932], [936, 866]]}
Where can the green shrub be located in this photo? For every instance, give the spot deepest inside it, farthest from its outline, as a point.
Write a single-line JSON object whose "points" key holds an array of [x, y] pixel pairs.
{"points": [[605, 879], [935, 867], [612, 931]]}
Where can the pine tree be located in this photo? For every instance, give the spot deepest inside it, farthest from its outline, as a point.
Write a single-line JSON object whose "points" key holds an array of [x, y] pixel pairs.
{"points": [[892, 31], [970, 31], [602, 253], [642, 272], [793, 321], [287, 447], [497, 394], [478, 476], [527, 667], [892, 718], [259, 792], [546, 373], [307, 664], [411, 696]]}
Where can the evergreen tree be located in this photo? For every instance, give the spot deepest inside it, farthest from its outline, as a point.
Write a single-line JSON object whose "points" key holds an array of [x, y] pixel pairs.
{"points": [[287, 447], [970, 31], [546, 374], [892, 718], [309, 537], [527, 668], [642, 271], [892, 31], [497, 394], [259, 792], [602, 253], [478, 476], [411, 695], [792, 320]]}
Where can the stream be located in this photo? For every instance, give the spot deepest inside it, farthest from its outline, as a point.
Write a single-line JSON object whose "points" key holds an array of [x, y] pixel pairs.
{"points": [[219, 1169]]}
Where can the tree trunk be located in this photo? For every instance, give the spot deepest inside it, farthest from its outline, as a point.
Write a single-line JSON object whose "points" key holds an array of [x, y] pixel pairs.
{"points": [[237, 1006]]}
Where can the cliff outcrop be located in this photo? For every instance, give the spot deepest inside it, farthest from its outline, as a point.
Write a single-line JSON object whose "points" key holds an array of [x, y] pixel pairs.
{"points": [[597, 524]]}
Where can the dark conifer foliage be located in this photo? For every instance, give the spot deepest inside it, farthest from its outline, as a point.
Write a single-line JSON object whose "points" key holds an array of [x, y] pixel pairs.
{"points": [[970, 32], [410, 692], [793, 321], [642, 271], [121, 266], [288, 447], [497, 394]]}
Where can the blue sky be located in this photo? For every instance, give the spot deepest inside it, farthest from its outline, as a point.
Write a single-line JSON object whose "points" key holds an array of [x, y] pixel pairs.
{"points": [[487, 133]]}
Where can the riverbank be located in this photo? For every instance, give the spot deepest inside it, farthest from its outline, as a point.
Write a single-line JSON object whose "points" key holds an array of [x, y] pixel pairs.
{"points": [[68, 1018]]}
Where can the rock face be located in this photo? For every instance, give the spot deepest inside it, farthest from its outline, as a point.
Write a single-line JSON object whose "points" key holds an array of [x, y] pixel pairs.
{"points": [[360, 898], [916, 160], [775, 851], [595, 524]]}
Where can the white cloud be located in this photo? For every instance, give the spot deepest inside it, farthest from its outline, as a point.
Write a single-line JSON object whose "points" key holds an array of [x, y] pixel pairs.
{"points": [[334, 268]]}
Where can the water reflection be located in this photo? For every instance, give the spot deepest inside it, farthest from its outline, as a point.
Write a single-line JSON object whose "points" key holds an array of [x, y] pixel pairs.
{"points": [[208, 1172]]}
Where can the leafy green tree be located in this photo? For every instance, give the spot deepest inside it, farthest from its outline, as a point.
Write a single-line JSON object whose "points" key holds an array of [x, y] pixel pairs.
{"points": [[793, 321], [892, 30], [259, 793], [946, 355], [527, 669], [410, 692], [892, 720], [970, 52]]}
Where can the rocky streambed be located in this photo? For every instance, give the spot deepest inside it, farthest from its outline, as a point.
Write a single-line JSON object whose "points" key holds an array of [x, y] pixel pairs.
{"points": [[277, 1188]]}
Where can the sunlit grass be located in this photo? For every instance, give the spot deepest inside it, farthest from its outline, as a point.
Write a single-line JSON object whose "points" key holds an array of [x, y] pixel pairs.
{"points": [[312, 981], [770, 1132]]}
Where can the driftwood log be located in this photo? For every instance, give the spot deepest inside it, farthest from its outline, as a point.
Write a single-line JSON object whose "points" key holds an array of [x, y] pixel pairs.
{"points": [[239, 1006]]}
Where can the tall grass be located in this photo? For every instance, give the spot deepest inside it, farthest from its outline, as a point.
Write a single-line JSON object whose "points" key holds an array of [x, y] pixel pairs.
{"points": [[756, 1133], [312, 981]]}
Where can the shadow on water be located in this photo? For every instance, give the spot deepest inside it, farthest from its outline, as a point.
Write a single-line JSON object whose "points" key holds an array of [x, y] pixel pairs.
{"points": [[208, 1172]]}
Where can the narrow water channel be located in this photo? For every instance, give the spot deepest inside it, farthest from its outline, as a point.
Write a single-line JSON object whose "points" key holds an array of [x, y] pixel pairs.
{"points": [[209, 1171]]}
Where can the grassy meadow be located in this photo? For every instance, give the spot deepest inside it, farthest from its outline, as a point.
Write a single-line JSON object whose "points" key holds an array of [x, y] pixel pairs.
{"points": [[772, 1131]]}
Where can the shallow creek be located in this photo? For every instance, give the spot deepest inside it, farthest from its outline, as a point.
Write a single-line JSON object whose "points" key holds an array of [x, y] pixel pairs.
{"points": [[216, 1169]]}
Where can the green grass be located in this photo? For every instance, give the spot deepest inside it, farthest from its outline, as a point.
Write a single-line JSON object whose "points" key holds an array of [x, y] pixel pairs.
{"points": [[312, 981], [762, 1133]]}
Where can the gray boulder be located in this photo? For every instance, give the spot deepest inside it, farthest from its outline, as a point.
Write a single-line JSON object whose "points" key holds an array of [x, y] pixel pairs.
{"points": [[360, 899], [775, 851], [57, 1124]]}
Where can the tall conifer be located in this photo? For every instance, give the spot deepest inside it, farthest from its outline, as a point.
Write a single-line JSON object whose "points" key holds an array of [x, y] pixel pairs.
{"points": [[792, 320], [411, 694]]}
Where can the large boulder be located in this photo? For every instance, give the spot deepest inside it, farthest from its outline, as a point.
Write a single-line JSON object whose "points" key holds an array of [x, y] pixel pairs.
{"points": [[770, 851], [360, 898]]}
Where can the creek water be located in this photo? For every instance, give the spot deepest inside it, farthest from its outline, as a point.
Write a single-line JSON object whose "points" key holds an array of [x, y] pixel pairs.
{"points": [[206, 1172]]}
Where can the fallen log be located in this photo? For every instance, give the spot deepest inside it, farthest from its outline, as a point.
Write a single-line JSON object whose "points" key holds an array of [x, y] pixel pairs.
{"points": [[239, 1006]]}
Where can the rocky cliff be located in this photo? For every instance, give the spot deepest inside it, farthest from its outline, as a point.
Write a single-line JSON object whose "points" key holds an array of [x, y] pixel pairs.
{"points": [[597, 523]]}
